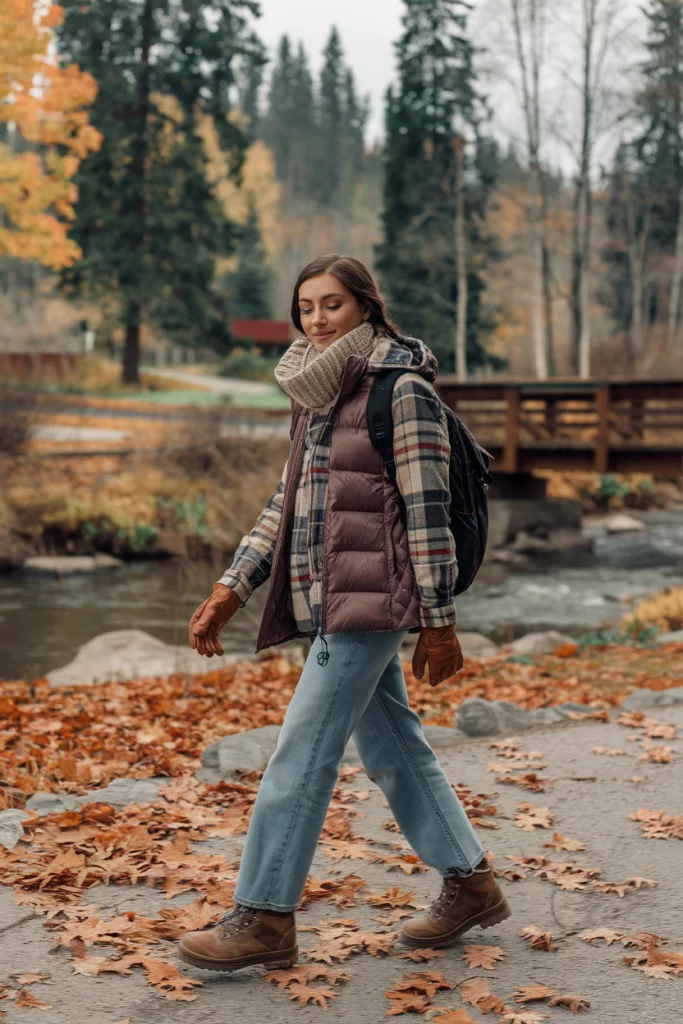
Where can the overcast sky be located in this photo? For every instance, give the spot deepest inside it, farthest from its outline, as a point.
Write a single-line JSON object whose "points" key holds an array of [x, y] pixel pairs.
{"points": [[368, 29]]}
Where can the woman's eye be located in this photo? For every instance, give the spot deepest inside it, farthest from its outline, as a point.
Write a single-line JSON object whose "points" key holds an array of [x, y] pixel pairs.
{"points": [[333, 307], [306, 312]]}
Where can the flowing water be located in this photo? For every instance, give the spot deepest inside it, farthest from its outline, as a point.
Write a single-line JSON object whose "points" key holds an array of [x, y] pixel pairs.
{"points": [[43, 621]]}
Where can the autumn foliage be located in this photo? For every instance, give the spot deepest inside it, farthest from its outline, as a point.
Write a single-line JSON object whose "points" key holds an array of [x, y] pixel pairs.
{"points": [[45, 102]]}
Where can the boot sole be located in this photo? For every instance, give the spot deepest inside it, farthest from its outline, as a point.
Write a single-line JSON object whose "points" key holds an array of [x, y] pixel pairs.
{"points": [[283, 959], [487, 919]]}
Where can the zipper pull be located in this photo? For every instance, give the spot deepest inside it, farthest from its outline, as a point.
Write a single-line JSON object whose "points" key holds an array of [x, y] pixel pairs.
{"points": [[324, 655]]}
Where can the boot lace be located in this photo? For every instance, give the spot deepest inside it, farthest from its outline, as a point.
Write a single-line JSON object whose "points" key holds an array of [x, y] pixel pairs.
{"points": [[449, 893], [236, 919]]}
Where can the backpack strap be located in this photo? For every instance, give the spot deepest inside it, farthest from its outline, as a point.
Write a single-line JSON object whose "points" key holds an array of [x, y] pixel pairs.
{"points": [[379, 415]]}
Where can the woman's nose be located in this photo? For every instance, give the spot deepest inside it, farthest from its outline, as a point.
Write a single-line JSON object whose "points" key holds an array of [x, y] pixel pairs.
{"points": [[319, 316]]}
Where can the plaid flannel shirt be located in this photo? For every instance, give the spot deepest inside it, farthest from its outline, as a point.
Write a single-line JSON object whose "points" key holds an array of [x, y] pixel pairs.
{"points": [[421, 453]]}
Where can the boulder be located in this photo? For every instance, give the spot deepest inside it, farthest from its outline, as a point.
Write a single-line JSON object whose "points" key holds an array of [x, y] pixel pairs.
{"points": [[122, 792], [622, 523], [11, 830], [670, 638], [644, 699], [66, 565], [131, 653], [477, 717], [557, 542], [539, 643], [51, 803], [242, 751]]}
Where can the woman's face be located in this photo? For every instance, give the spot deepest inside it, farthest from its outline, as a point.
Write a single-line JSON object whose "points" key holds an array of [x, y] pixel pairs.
{"points": [[328, 310]]}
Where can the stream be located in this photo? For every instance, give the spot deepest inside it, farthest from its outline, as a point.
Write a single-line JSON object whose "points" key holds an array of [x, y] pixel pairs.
{"points": [[44, 620]]}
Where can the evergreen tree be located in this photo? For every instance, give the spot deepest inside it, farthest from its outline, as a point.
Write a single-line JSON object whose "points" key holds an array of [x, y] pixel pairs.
{"points": [[249, 287], [434, 103], [280, 117], [330, 122], [149, 224], [250, 81]]}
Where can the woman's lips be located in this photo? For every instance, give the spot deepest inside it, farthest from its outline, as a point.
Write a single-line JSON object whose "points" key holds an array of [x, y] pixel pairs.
{"points": [[328, 334]]}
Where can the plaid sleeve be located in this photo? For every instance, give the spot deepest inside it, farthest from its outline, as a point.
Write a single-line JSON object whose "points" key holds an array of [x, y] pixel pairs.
{"points": [[254, 557], [422, 453]]}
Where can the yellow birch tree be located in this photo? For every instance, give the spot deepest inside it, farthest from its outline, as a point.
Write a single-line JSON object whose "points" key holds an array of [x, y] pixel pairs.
{"points": [[43, 105]]}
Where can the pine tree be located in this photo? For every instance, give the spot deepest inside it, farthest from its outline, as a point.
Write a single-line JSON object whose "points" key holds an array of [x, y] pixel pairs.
{"points": [[249, 287], [433, 105], [330, 122], [149, 223]]}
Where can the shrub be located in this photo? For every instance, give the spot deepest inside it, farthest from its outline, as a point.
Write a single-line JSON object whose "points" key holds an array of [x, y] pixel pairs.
{"points": [[248, 365]]}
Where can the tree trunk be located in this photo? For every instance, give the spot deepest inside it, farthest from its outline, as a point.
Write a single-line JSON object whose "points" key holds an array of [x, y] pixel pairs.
{"points": [[548, 299], [131, 278], [538, 333], [461, 260], [581, 334], [131, 354], [675, 299]]}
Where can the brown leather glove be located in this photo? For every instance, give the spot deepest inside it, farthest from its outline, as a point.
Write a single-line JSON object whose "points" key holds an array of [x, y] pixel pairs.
{"points": [[209, 619], [438, 649]]}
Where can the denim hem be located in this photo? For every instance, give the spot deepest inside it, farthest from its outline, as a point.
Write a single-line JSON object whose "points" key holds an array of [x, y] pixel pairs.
{"points": [[467, 872], [265, 906]]}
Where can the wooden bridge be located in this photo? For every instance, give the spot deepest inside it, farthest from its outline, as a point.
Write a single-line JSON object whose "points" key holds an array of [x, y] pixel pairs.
{"points": [[619, 426]]}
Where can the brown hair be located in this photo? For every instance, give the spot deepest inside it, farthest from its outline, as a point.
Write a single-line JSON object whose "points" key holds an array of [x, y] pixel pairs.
{"points": [[360, 282]]}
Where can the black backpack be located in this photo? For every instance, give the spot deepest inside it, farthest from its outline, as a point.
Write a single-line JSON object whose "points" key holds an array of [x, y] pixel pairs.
{"points": [[469, 475]]}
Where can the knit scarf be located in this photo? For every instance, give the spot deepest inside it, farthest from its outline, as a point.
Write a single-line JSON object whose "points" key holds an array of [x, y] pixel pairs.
{"points": [[313, 378]]}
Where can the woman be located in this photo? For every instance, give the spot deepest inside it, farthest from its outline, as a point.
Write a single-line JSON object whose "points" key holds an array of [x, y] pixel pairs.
{"points": [[356, 566]]}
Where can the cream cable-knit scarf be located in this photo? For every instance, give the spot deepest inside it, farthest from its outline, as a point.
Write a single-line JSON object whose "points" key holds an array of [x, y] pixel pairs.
{"points": [[313, 378]]}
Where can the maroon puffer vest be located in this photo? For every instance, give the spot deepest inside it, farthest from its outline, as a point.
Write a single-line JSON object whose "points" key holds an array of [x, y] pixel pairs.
{"points": [[368, 579]]}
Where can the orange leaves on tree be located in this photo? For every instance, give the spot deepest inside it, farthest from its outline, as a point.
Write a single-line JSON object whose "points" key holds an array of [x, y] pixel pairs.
{"points": [[483, 956], [46, 102]]}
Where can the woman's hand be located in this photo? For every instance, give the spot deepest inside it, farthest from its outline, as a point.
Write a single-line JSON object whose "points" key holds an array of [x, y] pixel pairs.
{"points": [[209, 619], [438, 649]]}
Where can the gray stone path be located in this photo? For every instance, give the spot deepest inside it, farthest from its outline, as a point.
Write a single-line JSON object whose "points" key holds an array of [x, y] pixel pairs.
{"points": [[591, 798]]}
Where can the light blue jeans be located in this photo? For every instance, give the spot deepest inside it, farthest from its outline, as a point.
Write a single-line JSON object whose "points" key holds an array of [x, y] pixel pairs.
{"points": [[361, 692]]}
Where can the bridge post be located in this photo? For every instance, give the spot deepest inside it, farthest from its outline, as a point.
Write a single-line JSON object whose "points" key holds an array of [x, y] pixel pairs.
{"points": [[512, 409], [602, 409]]}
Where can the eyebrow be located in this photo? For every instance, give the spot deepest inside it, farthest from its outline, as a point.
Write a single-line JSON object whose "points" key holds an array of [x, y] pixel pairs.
{"points": [[332, 295]]}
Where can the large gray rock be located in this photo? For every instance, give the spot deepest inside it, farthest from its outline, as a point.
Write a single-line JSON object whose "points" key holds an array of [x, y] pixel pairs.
{"points": [[539, 643], [644, 699], [670, 638], [242, 751], [131, 653], [119, 793], [556, 543], [510, 516], [10, 827], [477, 717], [66, 565], [622, 523]]}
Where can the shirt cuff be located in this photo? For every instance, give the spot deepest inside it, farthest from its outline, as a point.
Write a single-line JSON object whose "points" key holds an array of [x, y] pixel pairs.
{"points": [[238, 582], [434, 618]]}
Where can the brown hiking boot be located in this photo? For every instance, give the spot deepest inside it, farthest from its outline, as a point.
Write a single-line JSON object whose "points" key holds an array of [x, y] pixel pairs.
{"points": [[243, 938], [463, 903]]}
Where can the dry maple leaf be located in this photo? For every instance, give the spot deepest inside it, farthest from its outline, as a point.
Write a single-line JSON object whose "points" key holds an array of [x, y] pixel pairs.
{"points": [[572, 1002], [392, 916], [426, 982], [305, 994], [30, 977], [643, 940], [377, 942], [26, 1000], [538, 939], [560, 842], [533, 993], [452, 1017], [406, 1002], [418, 955], [524, 1017], [609, 751], [483, 956], [530, 816], [608, 935], [476, 991], [168, 979], [657, 755], [622, 888], [659, 824], [394, 897]]}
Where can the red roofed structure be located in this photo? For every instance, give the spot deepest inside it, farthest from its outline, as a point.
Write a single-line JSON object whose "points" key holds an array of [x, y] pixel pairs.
{"points": [[269, 335]]}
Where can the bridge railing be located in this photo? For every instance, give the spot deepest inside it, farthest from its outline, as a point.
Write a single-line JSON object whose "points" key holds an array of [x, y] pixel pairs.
{"points": [[618, 426]]}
